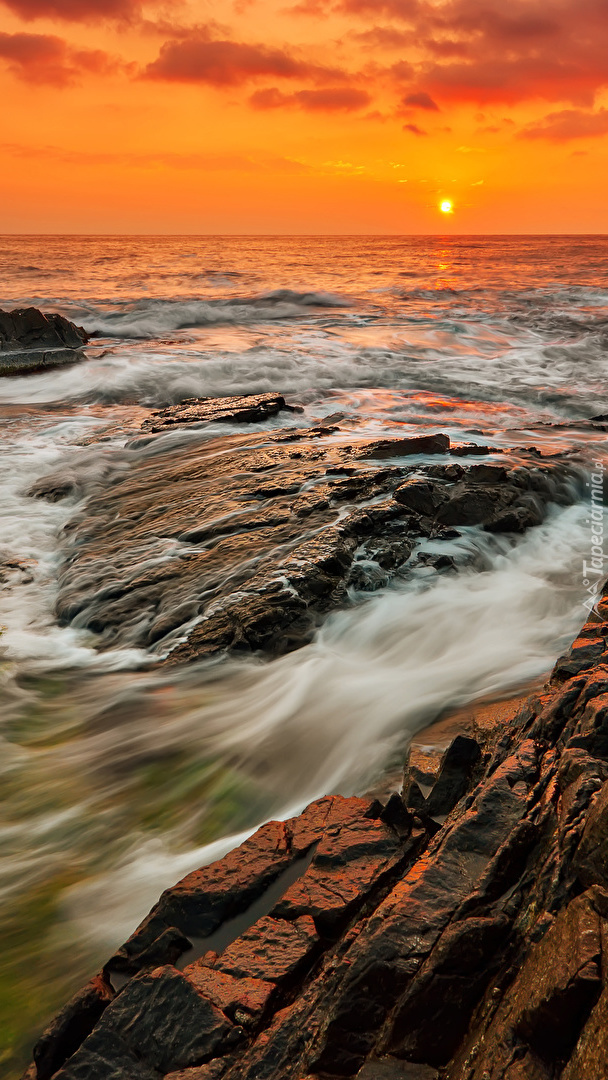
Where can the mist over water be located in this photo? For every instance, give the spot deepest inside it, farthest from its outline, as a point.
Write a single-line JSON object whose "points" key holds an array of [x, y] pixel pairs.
{"points": [[117, 777]]}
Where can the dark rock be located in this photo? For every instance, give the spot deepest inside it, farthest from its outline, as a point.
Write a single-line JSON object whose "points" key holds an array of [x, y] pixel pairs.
{"points": [[455, 773], [420, 496], [234, 410], [30, 340], [457, 971], [591, 859], [468, 449], [470, 506], [106, 1056], [388, 1068], [165, 1021], [71, 1026], [390, 448]]}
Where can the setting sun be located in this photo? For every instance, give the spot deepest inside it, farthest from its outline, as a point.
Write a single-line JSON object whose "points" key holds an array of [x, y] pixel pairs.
{"points": [[446, 207]]}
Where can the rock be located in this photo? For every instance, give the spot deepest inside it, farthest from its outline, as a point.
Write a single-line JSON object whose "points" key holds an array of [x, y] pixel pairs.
{"points": [[420, 496], [388, 1068], [352, 857], [455, 773], [390, 448], [71, 1026], [550, 998], [591, 859], [272, 949], [30, 340], [256, 544], [242, 999], [234, 410], [164, 1021]]}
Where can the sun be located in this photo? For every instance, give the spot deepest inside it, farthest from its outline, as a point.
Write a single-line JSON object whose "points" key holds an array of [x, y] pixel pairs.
{"points": [[446, 206]]}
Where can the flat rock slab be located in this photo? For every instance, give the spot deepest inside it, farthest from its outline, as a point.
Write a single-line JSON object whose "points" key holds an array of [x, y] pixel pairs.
{"points": [[230, 410], [30, 340]]}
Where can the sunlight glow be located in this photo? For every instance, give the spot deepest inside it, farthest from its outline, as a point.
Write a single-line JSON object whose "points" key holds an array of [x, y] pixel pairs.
{"points": [[446, 206]]}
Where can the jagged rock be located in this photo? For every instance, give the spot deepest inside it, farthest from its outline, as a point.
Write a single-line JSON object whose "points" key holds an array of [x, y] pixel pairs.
{"points": [[239, 561], [233, 410], [71, 1026], [30, 340], [455, 773]]}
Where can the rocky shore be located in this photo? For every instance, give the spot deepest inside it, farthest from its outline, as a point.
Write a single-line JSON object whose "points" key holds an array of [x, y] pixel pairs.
{"points": [[460, 935], [194, 546], [456, 933], [31, 340]]}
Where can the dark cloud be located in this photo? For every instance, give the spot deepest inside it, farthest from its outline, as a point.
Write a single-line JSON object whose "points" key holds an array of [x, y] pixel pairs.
{"points": [[568, 124], [421, 100], [487, 51], [325, 99], [46, 59], [74, 10], [414, 129], [228, 63]]}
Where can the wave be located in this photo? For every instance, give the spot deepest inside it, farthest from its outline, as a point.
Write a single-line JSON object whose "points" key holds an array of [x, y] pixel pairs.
{"points": [[152, 318]]}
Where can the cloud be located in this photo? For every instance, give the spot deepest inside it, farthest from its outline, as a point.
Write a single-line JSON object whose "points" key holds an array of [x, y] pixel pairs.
{"points": [[326, 99], [74, 10], [483, 51], [415, 130], [255, 161], [46, 59], [198, 59], [568, 124], [421, 100]]}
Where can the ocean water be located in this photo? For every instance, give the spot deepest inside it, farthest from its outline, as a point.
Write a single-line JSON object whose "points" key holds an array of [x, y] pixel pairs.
{"points": [[116, 779]]}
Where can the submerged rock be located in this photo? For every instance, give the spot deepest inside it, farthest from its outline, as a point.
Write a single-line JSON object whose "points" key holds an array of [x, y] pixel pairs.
{"points": [[30, 339]]}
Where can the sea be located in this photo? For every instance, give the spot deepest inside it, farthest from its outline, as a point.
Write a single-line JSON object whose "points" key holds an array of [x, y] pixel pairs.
{"points": [[117, 778]]}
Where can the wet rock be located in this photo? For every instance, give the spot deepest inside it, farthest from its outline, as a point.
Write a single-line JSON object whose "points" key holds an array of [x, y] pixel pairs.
{"points": [[244, 562], [272, 949], [390, 448], [350, 859], [420, 496], [455, 774], [243, 999], [71, 1026], [545, 1008], [230, 410], [388, 1068], [591, 860], [457, 971], [163, 1021], [30, 340]]}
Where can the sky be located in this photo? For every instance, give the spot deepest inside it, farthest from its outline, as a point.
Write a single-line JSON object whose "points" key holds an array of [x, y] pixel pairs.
{"points": [[304, 116]]}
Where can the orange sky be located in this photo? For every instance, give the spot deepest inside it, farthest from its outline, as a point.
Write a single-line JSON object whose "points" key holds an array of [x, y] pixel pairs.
{"points": [[304, 116]]}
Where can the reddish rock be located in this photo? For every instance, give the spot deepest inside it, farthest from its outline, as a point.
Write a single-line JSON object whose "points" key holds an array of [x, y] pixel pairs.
{"points": [[235, 410], [272, 949], [243, 999]]}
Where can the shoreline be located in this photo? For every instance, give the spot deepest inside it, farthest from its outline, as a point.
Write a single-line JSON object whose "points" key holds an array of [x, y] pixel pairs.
{"points": [[406, 947]]}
